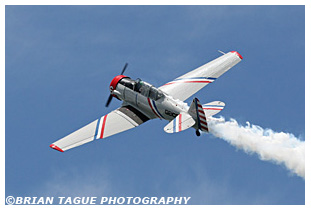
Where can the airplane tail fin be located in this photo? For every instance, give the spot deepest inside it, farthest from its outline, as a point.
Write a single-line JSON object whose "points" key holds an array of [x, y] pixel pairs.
{"points": [[201, 113], [197, 113], [197, 116]]}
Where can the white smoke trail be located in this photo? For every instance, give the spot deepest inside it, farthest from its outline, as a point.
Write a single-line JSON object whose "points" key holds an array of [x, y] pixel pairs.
{"points": [[279, 148]]}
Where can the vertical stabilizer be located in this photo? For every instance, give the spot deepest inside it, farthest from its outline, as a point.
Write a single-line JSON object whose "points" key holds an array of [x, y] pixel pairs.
{"points": [[196, 111]]}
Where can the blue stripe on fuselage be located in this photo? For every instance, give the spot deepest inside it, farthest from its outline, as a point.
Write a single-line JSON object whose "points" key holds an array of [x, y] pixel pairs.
{"points": [[156, 108]]}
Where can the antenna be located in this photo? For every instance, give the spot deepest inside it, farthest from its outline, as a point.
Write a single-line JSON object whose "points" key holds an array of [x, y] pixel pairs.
{"points": [[221, 52]]}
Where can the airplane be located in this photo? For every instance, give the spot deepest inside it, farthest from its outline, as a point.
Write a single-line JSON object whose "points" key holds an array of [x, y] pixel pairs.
{"points": [[142, 102]]}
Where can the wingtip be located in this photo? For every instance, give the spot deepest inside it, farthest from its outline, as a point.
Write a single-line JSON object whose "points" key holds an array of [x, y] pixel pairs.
{"points": [[238, 54], [53, 146]]}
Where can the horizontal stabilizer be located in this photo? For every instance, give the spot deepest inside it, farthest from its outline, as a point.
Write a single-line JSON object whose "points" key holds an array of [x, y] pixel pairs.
{"points": [[182, 122], [213, 108]]}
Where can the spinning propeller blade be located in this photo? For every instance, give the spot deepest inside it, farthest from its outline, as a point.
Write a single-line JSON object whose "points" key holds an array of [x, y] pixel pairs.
{"points": [[110, 96], [109, 100], [123, 70]]}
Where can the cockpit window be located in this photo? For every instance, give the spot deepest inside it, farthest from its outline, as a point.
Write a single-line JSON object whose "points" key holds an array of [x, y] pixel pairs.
{"points": [[138, 84], [160, 94], [155, 94], [147, 90], [142, 87], [127, 82]]}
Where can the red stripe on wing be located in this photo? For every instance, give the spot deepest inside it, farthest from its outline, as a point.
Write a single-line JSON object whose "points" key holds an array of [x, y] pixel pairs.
{"points": [[103, 127]]}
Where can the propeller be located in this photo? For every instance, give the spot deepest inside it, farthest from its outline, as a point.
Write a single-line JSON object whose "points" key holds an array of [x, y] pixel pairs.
{"points": [[110, 96], [109, 100], [123, 70]]}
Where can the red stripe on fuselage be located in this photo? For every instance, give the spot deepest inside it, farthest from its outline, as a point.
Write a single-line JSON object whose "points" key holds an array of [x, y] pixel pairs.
{"points": [[152, 108], [103, 127]]}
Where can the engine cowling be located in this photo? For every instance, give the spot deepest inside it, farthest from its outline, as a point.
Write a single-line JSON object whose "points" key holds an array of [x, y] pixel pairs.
{"points": [[115, 81]]}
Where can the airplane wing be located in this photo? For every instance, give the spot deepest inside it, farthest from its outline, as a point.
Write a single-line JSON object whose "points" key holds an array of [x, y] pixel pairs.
{"points": [[188, 84], [117, 121]]}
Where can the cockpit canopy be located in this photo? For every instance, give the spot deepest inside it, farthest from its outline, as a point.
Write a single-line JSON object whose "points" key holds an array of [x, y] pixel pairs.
{"points": [[142, 87]]}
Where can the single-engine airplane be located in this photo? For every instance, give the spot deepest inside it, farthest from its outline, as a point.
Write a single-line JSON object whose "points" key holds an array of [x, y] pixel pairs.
{"points": [[142, 102]]}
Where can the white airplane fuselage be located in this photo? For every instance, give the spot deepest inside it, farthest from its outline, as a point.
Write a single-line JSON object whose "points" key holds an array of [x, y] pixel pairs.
{"points": [[164, 107]]}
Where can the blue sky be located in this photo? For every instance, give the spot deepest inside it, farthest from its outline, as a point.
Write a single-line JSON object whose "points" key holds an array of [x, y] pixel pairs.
{"points": [[59, 64]]}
